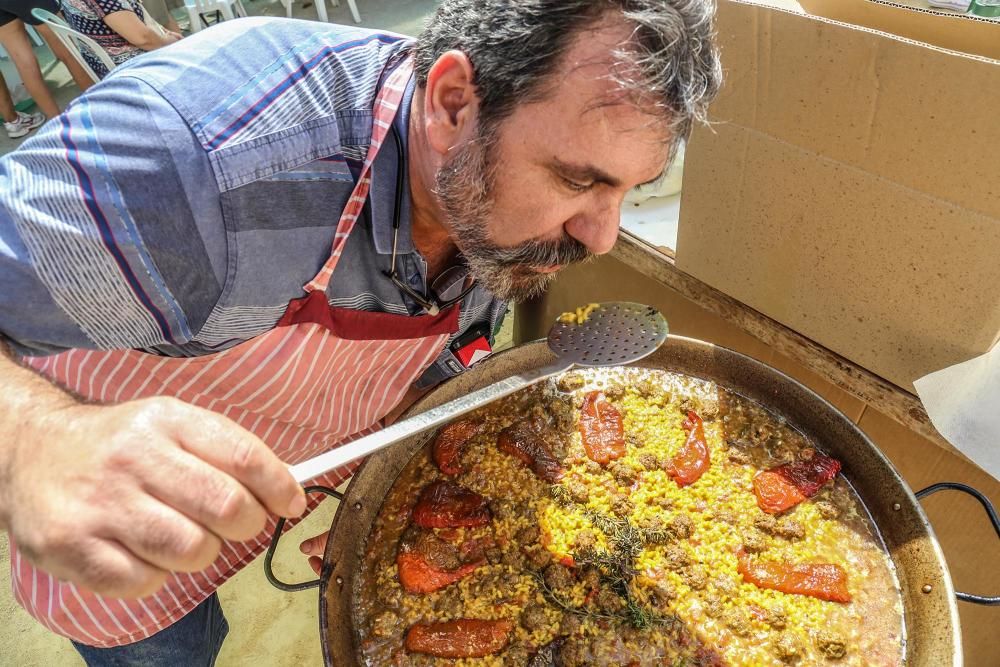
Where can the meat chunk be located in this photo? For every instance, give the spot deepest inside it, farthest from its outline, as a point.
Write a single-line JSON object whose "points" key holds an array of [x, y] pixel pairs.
{"points": [[577, 489], [533, 617], [526, 442], [786, 649], [661, 593], [737, 456], [624, 474], [754, 542], [517, 655], [713, 607], [569, 382], [538, 557], [621, 505], [790, 529], [385, 624], [608, 601], [827, 509], [528, 536], [681, 526], [494, 555], [776, 617], [675, 558], [738, 622], [694, 577], [832, 646], [585, 539], [649, 461], [570, 624], [548, 655], [559, 579]]}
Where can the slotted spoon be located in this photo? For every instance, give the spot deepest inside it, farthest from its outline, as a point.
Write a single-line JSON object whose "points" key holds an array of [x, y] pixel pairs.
{"points": [[614, 334]]}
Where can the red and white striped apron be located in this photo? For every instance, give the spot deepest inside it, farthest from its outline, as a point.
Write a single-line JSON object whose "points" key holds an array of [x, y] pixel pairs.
{"points": [[321, 377]]}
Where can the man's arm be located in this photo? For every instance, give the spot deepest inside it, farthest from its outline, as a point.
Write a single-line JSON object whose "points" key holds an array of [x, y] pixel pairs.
{"points": [[112, 497]]}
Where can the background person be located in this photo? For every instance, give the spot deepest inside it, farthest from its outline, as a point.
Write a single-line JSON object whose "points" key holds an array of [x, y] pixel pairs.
{"points": [[117, 26], [16, 124], [14, 14]]}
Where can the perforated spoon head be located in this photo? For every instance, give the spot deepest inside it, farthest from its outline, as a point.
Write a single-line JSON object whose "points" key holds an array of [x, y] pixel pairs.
{"points": [[612, 334]]}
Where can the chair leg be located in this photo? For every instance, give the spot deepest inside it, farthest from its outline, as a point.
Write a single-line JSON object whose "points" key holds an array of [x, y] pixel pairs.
{"points": [[194, 18], [321, 11], [288, 8], [227, 11], [354, 11]]}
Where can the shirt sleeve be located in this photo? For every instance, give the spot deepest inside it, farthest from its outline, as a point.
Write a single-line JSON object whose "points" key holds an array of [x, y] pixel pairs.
{"points": [[99, 247], [105, 7]]}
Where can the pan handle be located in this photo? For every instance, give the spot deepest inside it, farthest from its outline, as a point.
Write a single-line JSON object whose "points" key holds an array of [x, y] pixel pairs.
{"points": [[991, 601], [268, 572]]}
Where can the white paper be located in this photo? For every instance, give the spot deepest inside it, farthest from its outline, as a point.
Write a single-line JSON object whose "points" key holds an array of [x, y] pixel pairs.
{"points": [[963, 402]]}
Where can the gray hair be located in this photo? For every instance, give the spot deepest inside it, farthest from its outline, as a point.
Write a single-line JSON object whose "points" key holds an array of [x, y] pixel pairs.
{"points": [[515, 45]]}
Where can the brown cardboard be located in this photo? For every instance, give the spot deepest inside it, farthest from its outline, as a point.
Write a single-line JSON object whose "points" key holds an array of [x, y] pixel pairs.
{"points": [[848, 187]]}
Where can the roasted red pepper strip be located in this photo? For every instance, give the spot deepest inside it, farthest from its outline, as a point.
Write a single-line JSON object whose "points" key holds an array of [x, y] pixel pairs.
{"points": [[450, 442], [526, 445], [775, 494], [825, 581], [692, 460], [463, 638], [601, 429], [418, 576], [784, 487], [445, 504]]}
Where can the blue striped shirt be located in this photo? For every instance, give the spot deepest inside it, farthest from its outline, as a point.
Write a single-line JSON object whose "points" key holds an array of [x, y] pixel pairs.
{"points": [[181, 203]]}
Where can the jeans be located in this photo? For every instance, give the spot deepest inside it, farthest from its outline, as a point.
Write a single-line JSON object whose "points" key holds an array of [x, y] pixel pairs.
{"points": [[193, 641]]}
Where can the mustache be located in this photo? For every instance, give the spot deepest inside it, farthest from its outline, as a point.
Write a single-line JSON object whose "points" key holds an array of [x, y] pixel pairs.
{"points": [[562, 252]]}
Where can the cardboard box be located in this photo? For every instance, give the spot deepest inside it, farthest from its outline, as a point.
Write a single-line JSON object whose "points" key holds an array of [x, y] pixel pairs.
{"points": [[849, 187], [959, 522]]}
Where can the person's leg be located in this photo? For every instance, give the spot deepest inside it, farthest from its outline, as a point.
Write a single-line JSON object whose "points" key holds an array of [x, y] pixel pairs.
{"points": [[15, 41], [193, 641], [80, 76], [7, 110]]}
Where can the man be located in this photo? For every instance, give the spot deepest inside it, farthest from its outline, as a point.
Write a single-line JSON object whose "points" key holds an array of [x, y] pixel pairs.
{"points": [[242, 250]]}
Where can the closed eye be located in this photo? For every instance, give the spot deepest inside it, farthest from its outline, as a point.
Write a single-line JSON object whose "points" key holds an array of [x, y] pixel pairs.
{"points": [[576, 186]]}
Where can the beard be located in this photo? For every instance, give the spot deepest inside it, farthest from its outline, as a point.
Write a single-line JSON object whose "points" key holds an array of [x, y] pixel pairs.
{"points": [[465, 188]]}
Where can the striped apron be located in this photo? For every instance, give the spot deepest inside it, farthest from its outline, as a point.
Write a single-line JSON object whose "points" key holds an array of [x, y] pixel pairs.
{"points": [[320, 378]]}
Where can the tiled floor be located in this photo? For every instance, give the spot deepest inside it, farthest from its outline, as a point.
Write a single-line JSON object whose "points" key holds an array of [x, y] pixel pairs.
{"points": [[268, 627]]}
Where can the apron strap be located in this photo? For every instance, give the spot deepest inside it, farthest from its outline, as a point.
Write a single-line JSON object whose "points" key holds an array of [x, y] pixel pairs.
{"points": [[386, 105]]}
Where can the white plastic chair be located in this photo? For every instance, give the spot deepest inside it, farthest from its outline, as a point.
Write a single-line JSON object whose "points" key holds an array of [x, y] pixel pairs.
{"points": [[73, 41], [224, 9], [321, 9]]}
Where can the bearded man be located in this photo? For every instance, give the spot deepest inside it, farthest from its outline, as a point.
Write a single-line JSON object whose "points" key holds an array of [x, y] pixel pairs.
{"points": [[249, 247]]}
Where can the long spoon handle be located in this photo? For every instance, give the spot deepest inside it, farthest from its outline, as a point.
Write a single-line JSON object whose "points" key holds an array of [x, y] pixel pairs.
{"points": [[314, 467]]}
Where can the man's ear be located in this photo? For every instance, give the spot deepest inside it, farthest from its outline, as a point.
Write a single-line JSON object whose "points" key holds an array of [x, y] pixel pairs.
{"points": [[451, 106]]}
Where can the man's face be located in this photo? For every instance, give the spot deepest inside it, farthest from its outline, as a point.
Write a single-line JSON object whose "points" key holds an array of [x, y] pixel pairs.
{"points": [[545, 188]]}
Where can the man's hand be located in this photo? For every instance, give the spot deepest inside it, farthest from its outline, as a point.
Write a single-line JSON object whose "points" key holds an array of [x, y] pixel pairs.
{"points": [[314, 548], [115, 497]]}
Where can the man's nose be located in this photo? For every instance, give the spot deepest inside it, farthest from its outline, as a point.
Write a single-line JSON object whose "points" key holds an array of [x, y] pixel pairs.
{"points": [[598, 230]]}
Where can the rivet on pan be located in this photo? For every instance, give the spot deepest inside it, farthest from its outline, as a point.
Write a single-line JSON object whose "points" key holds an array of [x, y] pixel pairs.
{"points": [[896, 507], [340, 581], [926, 588], [357, 506]]}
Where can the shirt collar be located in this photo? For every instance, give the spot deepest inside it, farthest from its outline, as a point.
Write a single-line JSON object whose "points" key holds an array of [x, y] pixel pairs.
{"points": [[383, 188]]}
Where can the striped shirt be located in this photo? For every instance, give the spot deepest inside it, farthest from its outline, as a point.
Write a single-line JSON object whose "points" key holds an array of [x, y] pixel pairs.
{"points": [[180, 204]]}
